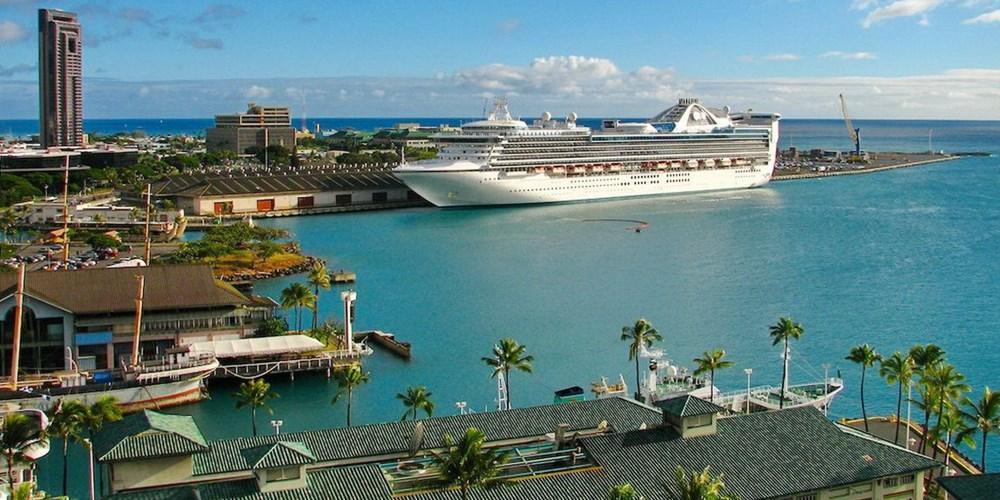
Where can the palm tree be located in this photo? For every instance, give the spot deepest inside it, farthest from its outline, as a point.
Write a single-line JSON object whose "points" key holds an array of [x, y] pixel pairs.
{"points": [[949, 386], [623, 491], [16, 434], [982, 416], [297, 296], [925, 357], [255, 394], [781, 332], [319, 278], [466, 463], [699, 486], [103, 411], [897, 369], [509, 355], [640, 335], [68, 421], [348, 380], [416, 398], [709, 362], [951, 425], [866, 356]]}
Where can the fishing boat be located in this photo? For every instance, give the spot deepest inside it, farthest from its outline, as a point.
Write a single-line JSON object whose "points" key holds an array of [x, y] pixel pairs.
{"points": [[169, 380]]}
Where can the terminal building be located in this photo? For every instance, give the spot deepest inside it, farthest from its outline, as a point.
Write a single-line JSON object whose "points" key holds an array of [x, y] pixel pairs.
{"points": [[89, 314], [283, 190], [567, 451], [260, 126]]}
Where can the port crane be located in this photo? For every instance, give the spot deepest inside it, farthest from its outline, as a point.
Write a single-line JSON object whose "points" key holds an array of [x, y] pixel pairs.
{"points": [[855, 133]]}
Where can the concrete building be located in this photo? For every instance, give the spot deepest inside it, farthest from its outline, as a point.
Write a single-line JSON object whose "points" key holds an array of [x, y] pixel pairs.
{"points": [[277, 190], [39, 160], [569, 451], [60, 78], [89, 314], [260, 126], [100, 211]]}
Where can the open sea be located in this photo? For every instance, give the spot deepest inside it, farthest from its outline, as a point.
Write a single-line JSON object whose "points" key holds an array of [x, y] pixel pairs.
{"points": [[892, 259]]}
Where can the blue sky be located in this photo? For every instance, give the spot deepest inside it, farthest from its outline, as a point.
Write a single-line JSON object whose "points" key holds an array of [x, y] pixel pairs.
{"points": [[893, 58]]}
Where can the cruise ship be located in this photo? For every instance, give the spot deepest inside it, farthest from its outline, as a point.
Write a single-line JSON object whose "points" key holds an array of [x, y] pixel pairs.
{"points": [[687, 148]]}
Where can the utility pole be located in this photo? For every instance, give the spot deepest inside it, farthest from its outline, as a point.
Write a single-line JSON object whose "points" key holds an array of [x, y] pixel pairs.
{"points": [[66, 210]]}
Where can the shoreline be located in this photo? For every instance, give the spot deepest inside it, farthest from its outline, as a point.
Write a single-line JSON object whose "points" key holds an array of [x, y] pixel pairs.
{"points": [[814, 175]]}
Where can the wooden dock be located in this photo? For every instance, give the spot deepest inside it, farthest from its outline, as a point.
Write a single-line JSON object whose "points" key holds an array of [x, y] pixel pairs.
{"points": [[329, 360], [343, 276], [387, 341]]}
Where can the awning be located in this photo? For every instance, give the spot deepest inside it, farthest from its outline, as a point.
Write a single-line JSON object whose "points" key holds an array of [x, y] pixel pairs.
{"points": [[264, 346]]}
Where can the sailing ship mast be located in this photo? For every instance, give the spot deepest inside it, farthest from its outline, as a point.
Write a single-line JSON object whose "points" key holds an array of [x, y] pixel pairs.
{"points": [[18, 313], [65, 252], [141, 279], [149, 193]]}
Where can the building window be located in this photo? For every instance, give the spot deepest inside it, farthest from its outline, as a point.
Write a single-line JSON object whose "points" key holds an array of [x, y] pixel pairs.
{"points": [[343, 200], [265, 205], [72, 45], [305, 201], [380, 197], [282, 474]]}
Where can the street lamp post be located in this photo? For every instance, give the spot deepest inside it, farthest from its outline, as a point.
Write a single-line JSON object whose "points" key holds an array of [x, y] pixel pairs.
{"points": [[826, 386], [277, 426], [90, 460], [749, 372], [461, 406]]}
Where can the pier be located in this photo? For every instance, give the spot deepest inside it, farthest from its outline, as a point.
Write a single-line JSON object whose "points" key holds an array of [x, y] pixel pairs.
{"points": [[890, 161], [256, 357]]}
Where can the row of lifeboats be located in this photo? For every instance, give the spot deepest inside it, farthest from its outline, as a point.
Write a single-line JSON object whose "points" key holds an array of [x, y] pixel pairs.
{"points": [[599, 168]]}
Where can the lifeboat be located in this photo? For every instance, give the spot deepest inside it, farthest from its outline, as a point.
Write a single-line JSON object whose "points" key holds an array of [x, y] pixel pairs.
{"points": [[662, 165], [709, 163], [725, 162], [558, 170], [615, 167], [692, 164], [579, 170]]}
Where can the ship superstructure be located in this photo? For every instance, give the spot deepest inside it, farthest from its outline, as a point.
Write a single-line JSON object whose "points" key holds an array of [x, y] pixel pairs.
{"points": [[686, 148]]}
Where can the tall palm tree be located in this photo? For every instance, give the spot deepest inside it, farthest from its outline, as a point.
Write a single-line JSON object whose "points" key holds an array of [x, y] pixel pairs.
{"points": [[623, 491], [641, 334], [925, 356], [709, 362], [949, 386], [509, 355], [416, 398], [68, 421], [255, 394], [700, 486], [951, 425], [897, 369], [866, 356], [982, 416], [348, 380], [466, 463], [318, 278], [16, 433], [297, 296], [781, 332]]}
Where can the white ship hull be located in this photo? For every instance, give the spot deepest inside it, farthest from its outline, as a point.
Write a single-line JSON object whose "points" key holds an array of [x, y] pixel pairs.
{"points": [[129, 399], [451, 188]]}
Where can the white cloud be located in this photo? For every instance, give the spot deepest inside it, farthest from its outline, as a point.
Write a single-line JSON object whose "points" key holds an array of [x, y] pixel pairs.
{"points": [[898, 8], [257, 92], [783, 57], [989, 17], [858, 56], [12, 32]]}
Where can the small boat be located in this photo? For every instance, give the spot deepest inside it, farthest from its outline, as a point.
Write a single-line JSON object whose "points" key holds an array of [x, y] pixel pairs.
{"points": [[569, 395], [602, 389], [343, 276]]}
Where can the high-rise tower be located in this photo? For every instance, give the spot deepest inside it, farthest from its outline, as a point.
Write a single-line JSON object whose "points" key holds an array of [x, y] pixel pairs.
{"points": [[60, 72]]}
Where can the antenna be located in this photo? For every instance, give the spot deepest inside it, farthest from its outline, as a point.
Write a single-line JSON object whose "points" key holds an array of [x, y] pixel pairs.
{"points": [[502, 402]]}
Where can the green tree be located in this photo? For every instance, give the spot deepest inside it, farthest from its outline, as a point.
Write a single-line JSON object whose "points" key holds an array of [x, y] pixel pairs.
{"points": [[925, 359], [509, 355], [640, 335], [68, 421], [897, 369], [318, 278], [466, 463], [623, 491], [349, 379], [297, 296], [255, 394], [103, 411], [415, 399], [99, 240], [271, 327], [951, 430], [699, 486], [950, 387], [865, 356], [709, 362], [981, 416], [781, 332], [17, 433]]}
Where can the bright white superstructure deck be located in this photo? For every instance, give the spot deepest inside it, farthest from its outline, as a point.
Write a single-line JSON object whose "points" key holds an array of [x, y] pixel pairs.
{"points": [[686, 148]]}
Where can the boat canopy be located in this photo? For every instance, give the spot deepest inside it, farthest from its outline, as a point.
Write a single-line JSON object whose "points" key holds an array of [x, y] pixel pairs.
{"points": [[264, 346]]}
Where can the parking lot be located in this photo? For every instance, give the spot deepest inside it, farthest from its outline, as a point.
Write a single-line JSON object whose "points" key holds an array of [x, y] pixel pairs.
{"points": [[81, 256]]}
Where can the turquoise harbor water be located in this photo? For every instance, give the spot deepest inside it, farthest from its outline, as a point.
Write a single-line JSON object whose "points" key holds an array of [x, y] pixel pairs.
{"points": [[891, 258]]}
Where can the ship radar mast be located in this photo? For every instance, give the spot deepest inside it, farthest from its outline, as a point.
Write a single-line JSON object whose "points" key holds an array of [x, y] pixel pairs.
{"points": [[500, 111]]}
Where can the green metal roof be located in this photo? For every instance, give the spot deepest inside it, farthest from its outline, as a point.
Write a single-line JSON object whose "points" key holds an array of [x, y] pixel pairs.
{"points": [[148, 434], [394, 437], [280, 454], [972, 487], [688, 406]]}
